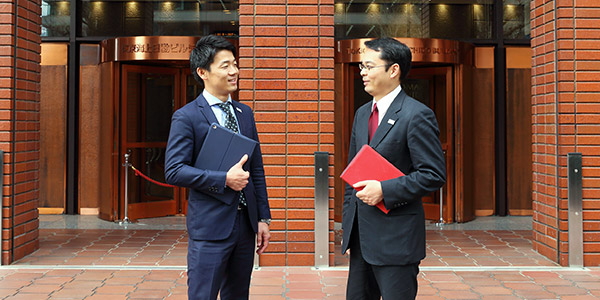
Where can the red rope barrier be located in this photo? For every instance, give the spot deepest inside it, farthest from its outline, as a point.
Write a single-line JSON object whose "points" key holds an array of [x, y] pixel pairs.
{"points": [[138, 173]]}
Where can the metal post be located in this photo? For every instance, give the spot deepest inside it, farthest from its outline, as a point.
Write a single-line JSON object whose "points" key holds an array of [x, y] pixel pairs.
{"points": [[126, 165], [256, 261], [321, 209], [575, 210], [441, 221]]}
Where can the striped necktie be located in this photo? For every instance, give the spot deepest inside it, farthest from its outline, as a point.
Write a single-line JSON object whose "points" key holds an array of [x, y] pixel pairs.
{"points": [[231, 124]]}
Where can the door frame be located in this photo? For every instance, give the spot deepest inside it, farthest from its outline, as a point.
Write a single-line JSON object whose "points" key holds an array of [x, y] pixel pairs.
{"points": [[448, 188], [425, 52], [156, 208], [345, 107]]}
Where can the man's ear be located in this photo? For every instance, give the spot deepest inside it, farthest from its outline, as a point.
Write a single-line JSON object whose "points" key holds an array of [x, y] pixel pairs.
{"points": [[395, 72], [202, 73]]}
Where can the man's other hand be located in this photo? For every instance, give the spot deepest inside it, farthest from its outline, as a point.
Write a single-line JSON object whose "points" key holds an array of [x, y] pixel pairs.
{"points": [[237, 178], [347, 250], [371, 193], [262, 238]]}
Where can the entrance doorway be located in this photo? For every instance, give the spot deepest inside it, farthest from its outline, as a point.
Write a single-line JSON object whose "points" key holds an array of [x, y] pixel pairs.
{"points": [[149, 96], [433, 87], [437, 79], [144, 80]]}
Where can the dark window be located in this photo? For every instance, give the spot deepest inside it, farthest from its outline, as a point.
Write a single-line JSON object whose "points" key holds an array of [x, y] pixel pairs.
{"points": [[132, 18], [56, 18], [517, 19], [467, 19], [188, 17]]}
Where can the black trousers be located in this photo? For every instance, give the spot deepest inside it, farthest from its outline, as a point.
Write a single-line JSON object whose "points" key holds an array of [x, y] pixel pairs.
{"points": [[371, 282]]}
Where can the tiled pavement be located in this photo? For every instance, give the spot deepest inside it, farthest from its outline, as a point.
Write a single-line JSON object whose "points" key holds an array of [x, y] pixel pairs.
{"points": [[150, 264]]}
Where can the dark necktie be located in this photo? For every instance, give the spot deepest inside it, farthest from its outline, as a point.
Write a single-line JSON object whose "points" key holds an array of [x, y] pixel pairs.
{"points": [[373, 121], [231, 124]]}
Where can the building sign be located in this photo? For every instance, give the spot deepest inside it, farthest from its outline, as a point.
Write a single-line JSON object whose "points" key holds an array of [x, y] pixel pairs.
{"points": [[157, 48], [423, 50], [148, 48]]}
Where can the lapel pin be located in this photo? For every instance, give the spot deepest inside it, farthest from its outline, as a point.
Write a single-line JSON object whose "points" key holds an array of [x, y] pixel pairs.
{"points": [[238, 109], [391, 122]]}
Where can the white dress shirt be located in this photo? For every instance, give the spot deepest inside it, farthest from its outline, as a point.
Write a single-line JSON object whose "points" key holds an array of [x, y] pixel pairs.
{"points": [[384, 103]]}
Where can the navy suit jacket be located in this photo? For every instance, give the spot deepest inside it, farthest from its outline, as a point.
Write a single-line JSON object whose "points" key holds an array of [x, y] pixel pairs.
{"points": [[210, 215], [408, 137]]}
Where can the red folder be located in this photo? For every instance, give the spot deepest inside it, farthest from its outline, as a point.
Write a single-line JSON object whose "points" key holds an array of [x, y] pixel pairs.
{"points": [[370, 165]]}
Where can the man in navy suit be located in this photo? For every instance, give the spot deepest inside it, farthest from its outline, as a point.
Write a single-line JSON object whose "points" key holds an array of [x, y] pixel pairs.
{"points": [[222, 227], [386, 249]]}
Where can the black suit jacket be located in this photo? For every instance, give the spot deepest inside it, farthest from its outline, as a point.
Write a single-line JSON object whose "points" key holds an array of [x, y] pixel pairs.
{"points": [[210, 216], [408, 137]]}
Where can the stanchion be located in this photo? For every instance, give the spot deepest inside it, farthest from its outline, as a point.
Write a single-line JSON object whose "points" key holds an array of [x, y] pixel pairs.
{"points": [[440, 223], [127, 164]]}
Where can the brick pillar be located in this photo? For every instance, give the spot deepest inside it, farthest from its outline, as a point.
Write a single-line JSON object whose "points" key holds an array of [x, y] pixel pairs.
{"points": [[286, 75], [19, 125], [566, 118]]}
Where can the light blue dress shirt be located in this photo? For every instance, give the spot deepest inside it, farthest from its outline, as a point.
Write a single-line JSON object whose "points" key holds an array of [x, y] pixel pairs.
{"points": [[219, 113]]}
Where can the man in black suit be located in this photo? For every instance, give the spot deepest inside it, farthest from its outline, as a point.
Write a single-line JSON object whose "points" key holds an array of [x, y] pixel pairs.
{"points": [[385, 250], [227, 210]]}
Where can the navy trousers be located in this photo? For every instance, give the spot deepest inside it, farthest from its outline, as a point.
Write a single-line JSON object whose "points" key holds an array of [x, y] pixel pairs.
{"points": [[222, 266]]}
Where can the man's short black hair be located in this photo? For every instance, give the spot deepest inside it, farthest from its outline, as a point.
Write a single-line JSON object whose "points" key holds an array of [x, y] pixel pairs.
{"points": [[392, 52], [203, 54]]}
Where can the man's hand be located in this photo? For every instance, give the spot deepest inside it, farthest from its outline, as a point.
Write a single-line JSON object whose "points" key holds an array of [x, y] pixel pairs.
{"points": [[237, 178], [347, 250], [262, 238], [371, 194]]}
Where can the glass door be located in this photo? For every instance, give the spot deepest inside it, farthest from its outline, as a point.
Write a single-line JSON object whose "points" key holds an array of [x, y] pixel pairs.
{"points": [[433, 87], [149, 96]]}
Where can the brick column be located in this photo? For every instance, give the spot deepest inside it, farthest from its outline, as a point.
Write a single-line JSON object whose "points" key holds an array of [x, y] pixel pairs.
{"points": [[19, 125], [286, 75], [566, 118]]}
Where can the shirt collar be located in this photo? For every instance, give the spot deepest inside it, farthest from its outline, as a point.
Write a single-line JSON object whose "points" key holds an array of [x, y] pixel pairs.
{"points": [[212, 100], [384, 103]]}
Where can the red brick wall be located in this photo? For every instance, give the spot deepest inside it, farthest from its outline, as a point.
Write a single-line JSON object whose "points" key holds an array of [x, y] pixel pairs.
{"points": [[19, 125], [566, 118], [286, 75]]}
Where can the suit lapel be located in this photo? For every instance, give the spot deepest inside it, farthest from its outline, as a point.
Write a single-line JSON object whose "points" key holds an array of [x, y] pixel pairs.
{"points": [[388, 121], [206, 110], [241, 118], [210, 115]]}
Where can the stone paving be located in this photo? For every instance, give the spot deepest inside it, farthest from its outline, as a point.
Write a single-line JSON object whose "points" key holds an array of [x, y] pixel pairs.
{"points": [[150, 264]]}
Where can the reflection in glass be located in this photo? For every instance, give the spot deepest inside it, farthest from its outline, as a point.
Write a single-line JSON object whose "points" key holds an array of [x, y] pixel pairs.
{"points": [[517, 19], [151, 162], [467, 19], [150, 100], [194, 88], [187, 17], [56, 18]]}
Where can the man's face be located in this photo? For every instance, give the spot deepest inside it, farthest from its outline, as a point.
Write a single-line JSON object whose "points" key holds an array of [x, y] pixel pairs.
{"points": [[222, 79], [377, 81]]}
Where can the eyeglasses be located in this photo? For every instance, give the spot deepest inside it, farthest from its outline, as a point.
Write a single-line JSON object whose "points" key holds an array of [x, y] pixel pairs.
{"points": [[368, 68]]}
